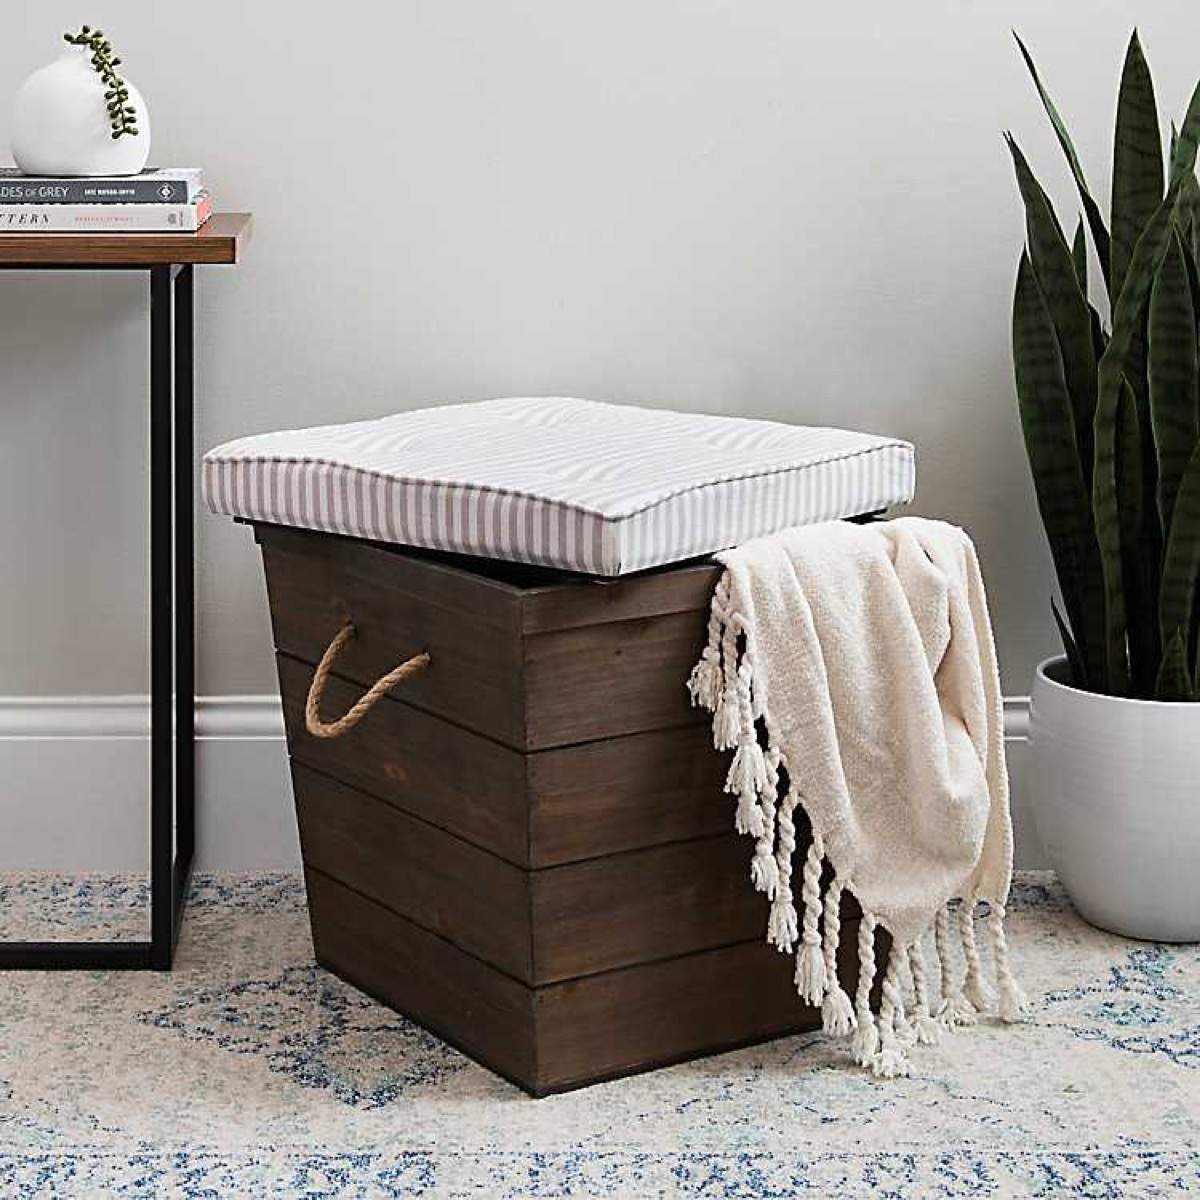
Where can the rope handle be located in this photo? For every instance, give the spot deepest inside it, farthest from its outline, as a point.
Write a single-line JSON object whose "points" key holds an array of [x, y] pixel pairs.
{"points": [[366, 702]]}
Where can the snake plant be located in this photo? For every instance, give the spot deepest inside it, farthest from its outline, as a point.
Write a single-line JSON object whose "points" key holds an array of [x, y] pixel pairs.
{"points": [[1111, 410]]}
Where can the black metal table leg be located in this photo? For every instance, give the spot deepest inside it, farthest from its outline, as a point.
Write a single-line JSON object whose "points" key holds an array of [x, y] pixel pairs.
{"points": [[172, 649], [162, 608], [185, 605]]}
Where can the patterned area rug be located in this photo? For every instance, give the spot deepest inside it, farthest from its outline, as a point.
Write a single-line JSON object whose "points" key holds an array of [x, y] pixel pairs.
{"points": [[250, 1072]]}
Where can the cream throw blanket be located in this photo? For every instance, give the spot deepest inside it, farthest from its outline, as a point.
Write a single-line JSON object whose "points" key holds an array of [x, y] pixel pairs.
{"points": [[864, 655]]}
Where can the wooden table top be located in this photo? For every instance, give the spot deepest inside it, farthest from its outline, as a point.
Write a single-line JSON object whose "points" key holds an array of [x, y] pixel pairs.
{"points": [[220, 240]]}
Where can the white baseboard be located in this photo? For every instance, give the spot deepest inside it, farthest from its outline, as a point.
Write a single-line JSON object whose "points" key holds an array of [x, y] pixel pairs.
{"points": [[74, 778]]}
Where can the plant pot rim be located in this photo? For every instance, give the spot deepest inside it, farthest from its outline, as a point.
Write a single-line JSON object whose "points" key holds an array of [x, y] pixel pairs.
{"points": [[1044, 677]]}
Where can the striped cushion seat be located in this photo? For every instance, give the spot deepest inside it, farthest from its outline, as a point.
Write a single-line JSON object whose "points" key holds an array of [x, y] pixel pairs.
{"points": [[600, 488]]}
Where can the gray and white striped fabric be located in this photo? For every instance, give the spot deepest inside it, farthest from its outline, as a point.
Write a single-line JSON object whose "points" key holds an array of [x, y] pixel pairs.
{"points": [[604, 489]]}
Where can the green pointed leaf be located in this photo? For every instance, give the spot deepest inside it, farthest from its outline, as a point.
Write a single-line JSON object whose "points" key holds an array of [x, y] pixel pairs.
{"points": [[1174, 374], [1137, 184], [1148, 254], [1074, 659], [1057, 278], [1183, 154], [1099, 339], [1127, 326], [1174, 682], [1182, 562], [1138, 555], [1049, 428], [1189, 262], [1091, 210], [1079, 257]]}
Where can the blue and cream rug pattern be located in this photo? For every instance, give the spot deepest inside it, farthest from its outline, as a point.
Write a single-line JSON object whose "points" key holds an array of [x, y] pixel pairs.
{"points": [[248, 1071]]}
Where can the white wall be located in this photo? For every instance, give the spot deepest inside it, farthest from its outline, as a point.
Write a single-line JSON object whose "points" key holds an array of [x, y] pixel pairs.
{"points": [[767, 207]]}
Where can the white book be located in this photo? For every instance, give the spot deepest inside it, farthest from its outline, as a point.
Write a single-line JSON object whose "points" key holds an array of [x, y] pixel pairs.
{"points": [[105, 218]]}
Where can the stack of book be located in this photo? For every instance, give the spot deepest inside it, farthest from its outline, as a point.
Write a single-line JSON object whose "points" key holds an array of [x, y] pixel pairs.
{"points": [[158, 200]]}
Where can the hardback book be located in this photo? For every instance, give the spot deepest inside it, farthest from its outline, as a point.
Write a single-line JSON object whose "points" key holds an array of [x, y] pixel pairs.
{"points": [[154, 185], [105, 218]]}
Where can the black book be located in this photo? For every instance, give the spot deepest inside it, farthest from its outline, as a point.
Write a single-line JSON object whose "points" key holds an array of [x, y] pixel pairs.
{"points": [[154, 185]]}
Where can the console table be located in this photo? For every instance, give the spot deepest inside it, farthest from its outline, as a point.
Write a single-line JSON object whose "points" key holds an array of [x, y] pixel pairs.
{"points": [[168, 260]]}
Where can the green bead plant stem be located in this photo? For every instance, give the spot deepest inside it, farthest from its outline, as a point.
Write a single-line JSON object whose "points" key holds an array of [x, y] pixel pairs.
{"points": [[122, 116]]}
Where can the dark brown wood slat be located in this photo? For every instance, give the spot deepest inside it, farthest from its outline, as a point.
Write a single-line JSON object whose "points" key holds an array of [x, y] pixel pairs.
{"points": [[538, 810], [471, 1005], [458, 780], [465, 895], [686, 588], [439, 579], [646, 1016], [606, 680], [475, 674], [220, 240], [565, 1035], [644, 905], [625, 793]]}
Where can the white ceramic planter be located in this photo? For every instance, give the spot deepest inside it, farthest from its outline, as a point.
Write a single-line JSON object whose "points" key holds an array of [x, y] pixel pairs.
{"points": [[1115, 789], [60, 123]]}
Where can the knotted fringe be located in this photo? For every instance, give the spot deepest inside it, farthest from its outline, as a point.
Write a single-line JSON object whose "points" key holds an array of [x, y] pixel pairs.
{"points": [[783, 924], [706, 681], [764, 870], [726, 682], [1013, 1004], [810, 959], [837, 1013], [865, 1043], [891, 1059], [727, 716], [955, 1009], [925, 1028], [973, 983]]}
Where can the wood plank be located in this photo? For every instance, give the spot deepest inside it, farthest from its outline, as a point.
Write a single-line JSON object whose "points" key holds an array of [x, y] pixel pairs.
{"points": [[475, 676], [605, 680], [650, 1015], [471, 1005], [622, 674], [542, 926], [221, 240], [644, 905], [458, 780], [626, 793], [683, 588], [445, 885], [443, 580], [570, 1034]]}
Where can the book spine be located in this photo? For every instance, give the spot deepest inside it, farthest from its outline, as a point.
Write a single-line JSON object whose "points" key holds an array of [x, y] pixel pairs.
{"points": [[104, 218], [99, 191]]}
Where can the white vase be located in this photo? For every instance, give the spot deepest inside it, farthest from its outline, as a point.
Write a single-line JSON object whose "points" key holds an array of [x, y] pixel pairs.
{"points": [[60, 123], [1115, 790]]}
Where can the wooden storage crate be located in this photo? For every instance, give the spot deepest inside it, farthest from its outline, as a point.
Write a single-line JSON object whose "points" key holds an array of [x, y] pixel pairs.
{"points": [[526, 847]]}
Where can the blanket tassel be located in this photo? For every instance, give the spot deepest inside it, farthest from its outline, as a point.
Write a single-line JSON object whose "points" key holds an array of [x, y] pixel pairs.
{"points": [[925, 1028], [865, 1043], [783, 924], [973, 983], [891, 1060], [955, 1009], [706, 679], [810, 960], [1013, 1004], [764, 871], [837, 1013]]}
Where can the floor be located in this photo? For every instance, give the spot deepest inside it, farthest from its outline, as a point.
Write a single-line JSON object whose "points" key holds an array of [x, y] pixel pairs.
{"points": [[250, 1072]]}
